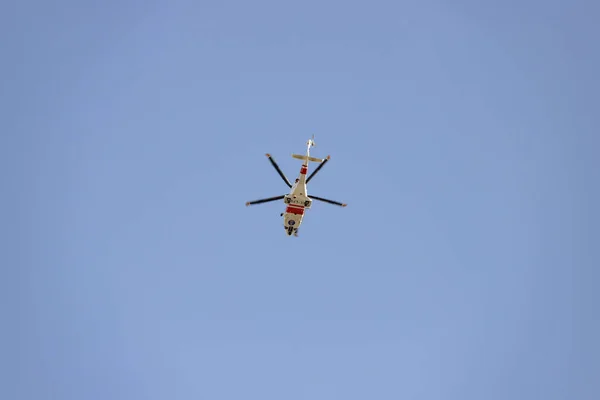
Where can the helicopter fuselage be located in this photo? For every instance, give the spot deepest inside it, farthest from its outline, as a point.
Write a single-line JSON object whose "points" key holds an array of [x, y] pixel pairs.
{"points": [[297, 202]]}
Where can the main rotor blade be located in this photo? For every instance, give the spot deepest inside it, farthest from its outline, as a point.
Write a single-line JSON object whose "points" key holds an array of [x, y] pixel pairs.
{"points": [[265, 200], [287, 182], [337, 203], [317, 169]]}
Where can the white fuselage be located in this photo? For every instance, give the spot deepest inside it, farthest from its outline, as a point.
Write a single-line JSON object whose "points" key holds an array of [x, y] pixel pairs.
{"points": [[297, 200]]}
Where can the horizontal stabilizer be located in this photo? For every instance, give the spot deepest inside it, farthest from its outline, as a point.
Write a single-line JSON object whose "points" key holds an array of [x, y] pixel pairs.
{"points": [[313, 159]]}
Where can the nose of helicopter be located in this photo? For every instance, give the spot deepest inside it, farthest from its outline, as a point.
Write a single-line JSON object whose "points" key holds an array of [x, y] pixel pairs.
{"points": [[291, 222], [289, 227]]}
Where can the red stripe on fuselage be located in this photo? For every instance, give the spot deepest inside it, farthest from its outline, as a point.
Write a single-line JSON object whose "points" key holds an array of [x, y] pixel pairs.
{"points": [[293, 209], [304, 169]]}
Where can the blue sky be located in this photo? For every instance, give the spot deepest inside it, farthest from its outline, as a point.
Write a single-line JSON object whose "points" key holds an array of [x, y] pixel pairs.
{"points": [[463, 136]]}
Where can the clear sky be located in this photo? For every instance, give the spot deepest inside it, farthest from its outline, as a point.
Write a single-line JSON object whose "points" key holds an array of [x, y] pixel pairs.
{"points": [[464, 137]]}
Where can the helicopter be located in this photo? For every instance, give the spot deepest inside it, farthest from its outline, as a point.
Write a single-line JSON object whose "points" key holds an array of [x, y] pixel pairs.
{"points": [[297, 200]]}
